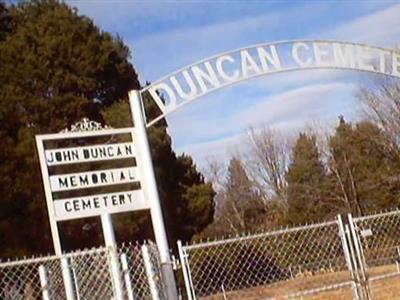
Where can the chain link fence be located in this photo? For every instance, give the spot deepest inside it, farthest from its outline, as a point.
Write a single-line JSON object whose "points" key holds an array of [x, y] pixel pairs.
{"points": [[292, 263], [355, 259], [89, 271]]}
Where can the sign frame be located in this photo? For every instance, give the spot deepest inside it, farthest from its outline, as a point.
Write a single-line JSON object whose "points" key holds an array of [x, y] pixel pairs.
{"points": [[85, 129], [46, 177]]}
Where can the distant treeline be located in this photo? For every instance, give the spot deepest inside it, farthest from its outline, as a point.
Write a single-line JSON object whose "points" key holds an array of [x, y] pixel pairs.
{"points": [[322, 173]]}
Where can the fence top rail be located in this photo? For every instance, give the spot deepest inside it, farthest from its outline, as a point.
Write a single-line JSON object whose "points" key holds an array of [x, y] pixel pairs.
{"points": [[382, 214], [258, 235], [72, 254], [43, 259]]}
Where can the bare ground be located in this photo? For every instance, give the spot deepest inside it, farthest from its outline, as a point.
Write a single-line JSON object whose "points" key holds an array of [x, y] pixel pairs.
{"points": [[339, 283]]}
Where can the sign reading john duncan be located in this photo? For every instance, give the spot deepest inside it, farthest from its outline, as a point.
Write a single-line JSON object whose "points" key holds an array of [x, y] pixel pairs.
{"points": [[100, 177]]}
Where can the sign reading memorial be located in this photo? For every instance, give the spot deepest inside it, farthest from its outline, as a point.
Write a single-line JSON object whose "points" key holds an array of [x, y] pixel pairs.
{"points": [[104, 188]]}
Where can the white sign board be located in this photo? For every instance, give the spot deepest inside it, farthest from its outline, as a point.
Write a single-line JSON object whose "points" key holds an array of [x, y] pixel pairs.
{"points": [[93, 202], [73, 181], [81, 207], [62, 156]]}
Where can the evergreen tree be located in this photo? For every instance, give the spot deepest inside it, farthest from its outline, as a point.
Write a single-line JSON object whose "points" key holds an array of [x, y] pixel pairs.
{"points": [[306, 178], [58, 67], [5, 21], [364, 168]]}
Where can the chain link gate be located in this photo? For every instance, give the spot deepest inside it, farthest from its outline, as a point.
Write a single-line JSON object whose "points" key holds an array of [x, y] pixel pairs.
{"points": [[358, 260], [376, 241], [295, 263]]}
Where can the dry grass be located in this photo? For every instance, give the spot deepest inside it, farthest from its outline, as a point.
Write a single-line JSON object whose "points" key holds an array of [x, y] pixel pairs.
{"points": [[385, 288]]}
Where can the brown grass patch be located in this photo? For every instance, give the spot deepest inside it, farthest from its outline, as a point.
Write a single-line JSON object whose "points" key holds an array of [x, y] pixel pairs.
{"points": [[384, 288]]}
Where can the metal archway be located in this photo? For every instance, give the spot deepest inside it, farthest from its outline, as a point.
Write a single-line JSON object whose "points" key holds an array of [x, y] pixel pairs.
{"points": [[225, 69]]}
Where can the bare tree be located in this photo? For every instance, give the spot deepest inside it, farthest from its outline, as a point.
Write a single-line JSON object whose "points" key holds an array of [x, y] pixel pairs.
{"points": [[214, 171], [382, 106], [268, 161]]}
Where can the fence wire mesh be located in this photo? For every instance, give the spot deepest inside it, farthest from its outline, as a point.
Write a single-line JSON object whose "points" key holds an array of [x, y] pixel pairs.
{"points": [[135, 277], [90, 273], [292, 263], [379, 240], [20, 280], [308, 262], [379, 237]]}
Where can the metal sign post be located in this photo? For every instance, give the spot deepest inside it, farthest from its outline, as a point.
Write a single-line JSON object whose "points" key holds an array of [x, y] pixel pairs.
{"points": [[66, 274], [109, 238], [151, 194]]}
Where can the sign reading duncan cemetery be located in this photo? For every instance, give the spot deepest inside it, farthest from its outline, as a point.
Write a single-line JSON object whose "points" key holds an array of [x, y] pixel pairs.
{"points": [[225, 69], [90, 202]]}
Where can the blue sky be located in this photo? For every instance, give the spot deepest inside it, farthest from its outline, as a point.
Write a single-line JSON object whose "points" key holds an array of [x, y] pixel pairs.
{"points": [[167, 35]]}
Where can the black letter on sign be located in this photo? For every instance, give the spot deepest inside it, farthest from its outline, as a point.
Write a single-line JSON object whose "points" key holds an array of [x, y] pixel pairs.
{"points": [[67, 207]]}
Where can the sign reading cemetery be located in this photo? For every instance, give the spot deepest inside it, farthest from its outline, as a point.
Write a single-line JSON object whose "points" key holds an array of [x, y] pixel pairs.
{"points": [[203, 77], [104, 189]]}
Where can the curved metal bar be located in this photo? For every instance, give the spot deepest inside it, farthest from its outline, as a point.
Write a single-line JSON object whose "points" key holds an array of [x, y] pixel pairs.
{"points": [[244, 78]]}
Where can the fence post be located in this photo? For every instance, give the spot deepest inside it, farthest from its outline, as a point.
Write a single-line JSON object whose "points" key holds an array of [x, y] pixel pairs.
{"points": [[182, 258], [355, 289], [76, 285], [348, 256], [150, 273], [44, 284], [109, 238], [345, 246], [68, 285], [360, 257], [125, 270], [354, 261], [150, 189]]}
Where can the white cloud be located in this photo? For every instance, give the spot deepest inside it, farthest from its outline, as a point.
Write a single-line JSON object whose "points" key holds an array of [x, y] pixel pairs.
{"points": [[223, 149], [174, 49], [203, 134], [218, 149], [267, 109], [380, 28], [190, 44], [292, 104], [293, 79]]}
